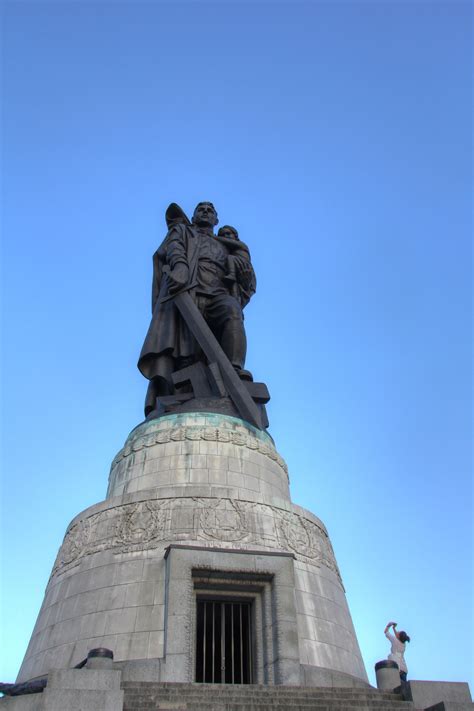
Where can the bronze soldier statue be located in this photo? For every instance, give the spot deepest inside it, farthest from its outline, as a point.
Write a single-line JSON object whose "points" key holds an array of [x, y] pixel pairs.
{"points": [[194, 260]]}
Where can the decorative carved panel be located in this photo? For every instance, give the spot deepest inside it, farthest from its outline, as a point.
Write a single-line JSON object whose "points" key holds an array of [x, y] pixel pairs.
{"points": [[149, 524], [209, 434]]}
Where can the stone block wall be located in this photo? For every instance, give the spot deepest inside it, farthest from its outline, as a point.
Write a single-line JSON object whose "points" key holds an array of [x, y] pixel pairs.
{"points": [[197, 480]]}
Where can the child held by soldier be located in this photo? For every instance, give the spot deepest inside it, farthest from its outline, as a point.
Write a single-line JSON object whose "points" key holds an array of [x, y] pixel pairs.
{"points": [[227, 232]]}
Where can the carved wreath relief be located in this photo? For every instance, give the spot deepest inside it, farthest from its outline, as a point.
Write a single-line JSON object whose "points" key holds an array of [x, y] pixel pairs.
{"points": [[146, 525], [223, 524], [199, 432]]}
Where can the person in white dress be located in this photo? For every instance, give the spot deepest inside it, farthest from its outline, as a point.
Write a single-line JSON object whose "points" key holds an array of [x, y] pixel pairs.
{"points": [[397, 653]]}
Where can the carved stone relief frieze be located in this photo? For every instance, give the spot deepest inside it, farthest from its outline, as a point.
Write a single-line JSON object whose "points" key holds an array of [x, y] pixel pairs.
{"points": [[199, 432], [141, 524], [223, 520], [306, 539], [148, 524]]}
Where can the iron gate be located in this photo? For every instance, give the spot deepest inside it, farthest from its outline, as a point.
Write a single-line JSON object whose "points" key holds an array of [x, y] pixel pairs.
{"points": [[224, 642]]}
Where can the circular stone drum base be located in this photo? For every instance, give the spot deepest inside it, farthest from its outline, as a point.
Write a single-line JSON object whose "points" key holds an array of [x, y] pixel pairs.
{"points": [[192, 495]]}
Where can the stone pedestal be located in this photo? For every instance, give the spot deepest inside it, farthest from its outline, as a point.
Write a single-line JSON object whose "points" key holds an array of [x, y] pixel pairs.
{"points": [[73, 690], [197, 502], [440, 695]]}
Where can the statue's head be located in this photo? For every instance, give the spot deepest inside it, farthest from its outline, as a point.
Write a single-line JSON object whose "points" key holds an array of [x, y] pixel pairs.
{"points": [[228, 231], [205, 215]]}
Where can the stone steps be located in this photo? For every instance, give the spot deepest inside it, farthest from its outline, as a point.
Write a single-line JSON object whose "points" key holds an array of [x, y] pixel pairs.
{"points": [[148, 696], [252, 690], [256, 706], [138, 699], [212, 705]]}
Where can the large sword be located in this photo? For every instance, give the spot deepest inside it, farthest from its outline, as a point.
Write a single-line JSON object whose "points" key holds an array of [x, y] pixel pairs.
{"points": [[214, 353]]}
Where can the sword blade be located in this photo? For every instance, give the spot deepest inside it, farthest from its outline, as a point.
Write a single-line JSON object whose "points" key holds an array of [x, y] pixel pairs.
{"points": [[214, 353]]}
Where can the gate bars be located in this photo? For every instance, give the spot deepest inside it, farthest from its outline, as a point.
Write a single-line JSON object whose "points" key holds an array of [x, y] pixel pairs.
{"points": [[224, 642]]}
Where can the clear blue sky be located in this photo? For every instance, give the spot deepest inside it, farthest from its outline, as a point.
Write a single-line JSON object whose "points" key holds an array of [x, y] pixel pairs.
{"points": [[336, 137]]}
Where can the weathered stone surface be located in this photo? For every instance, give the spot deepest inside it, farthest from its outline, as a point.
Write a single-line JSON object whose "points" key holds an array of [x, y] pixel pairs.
{"points": [[216, 486], [277, 640], [145, 525], [81, 700], [451, 706], [183, 449], [428, 693], [73, 690], [21, 703], [98, 679], [204, 697]]}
